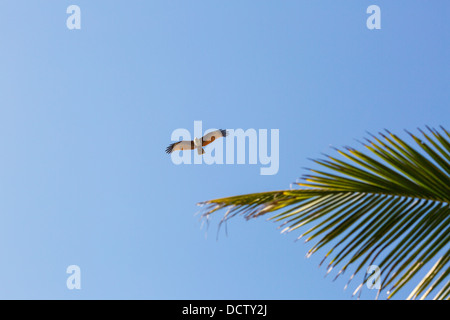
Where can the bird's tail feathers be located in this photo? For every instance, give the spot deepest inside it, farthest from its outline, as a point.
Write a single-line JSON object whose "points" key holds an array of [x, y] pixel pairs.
{"points": [[200, 151]]}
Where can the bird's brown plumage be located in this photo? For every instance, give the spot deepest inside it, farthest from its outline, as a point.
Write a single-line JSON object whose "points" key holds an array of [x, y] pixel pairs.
{"points": [[180, 145], [210, 137]]}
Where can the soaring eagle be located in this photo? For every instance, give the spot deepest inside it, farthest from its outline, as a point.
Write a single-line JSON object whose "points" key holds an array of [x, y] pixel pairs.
{"points": [[197, 143]]}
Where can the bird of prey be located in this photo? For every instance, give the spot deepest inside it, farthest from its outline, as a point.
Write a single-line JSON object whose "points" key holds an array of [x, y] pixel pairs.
{"points": [[197, 143]]}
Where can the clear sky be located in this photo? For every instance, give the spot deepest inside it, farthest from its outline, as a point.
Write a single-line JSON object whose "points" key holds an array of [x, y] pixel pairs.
{"points": [[85, 117]]}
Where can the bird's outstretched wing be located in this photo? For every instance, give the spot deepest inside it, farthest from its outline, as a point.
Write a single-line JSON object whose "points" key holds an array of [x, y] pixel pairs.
{"points": [[213, 135], [180, 145]]}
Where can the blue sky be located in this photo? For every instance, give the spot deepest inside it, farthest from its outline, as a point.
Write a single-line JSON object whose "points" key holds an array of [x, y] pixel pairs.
{"points": [[86, 115]]}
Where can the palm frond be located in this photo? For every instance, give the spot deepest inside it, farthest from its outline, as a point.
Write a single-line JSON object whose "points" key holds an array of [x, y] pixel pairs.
{"points": [[389, 206]]}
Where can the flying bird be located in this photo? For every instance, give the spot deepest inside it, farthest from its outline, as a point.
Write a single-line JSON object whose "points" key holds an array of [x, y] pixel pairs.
{"points": [[197, 143]]}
